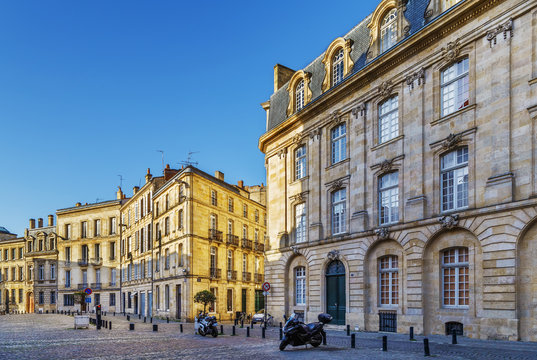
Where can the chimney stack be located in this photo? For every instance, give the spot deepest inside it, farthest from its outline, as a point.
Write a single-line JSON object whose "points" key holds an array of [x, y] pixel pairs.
{"points": [[78, 204], [40, 222], [119, 193], [148, 176], [241, 184], [169, 173], [219, 175], [282, 74], [32, 223], [51, 220], [135, 190]]}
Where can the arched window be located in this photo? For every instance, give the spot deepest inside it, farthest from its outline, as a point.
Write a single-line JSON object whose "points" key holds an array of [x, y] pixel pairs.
{"points": [[455, 278], [454, 179], [337, 67], [388, 31], [388, 280], [300, 285], [299, 95]]}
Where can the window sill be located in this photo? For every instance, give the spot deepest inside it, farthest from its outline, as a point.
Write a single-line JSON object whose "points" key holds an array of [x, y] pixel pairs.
{"points": [[533, 81], [452, 115], [453, 211], [337, 164], [391, 141], [298, 181]]}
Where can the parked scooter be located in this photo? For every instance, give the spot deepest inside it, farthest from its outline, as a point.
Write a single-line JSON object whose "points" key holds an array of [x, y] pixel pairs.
{"points": [[297, 333], [206, 325]]}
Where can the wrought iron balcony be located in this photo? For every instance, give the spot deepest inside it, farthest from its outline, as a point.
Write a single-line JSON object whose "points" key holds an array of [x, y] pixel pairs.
{"points": [[215, 235], [112, 284], [232, 275], [97, 261], [96, 286], [82, 286], [215, 273], [83, 262], [258, 278], [246, 276], [232, 240], [259, 246], [246, 244]]}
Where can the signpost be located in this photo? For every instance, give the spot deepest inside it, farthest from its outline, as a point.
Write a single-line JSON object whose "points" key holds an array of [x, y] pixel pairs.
{"points": [[266, 288]]}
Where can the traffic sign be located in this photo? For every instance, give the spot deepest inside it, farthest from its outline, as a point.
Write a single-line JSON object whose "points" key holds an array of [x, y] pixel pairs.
{"points": [[266, 286], [88, 291], [88, 300]]}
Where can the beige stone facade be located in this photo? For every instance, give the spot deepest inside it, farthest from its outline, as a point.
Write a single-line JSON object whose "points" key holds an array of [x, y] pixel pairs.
{"points": [[417, 192], [12, 274]]}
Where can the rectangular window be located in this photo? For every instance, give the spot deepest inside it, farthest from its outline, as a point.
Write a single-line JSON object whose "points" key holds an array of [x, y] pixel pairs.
{"points": [[41, 272], [455, 284], [41, 298], [213, 260], [181, 219], [167, 297], [212, 305], [53, 297], [300, 222], [21, 296], [256, 216], [455, 87], [83, 229], [98, 276], [167, 259], [213, 222], [300, 162], [389, 198], [21, 275], [454, 179], [67, 231], [214, 198], [339, 143], [339, 206], [229, 300], [230, 205], [113, 277], [97, 251], [157, 290], [112, 299], [68, 300], [52, 271], [68, 255], [113, 226], [244, 262], [67, 278], [167, 226], [245, 210], [300, 285], [20, 252], [112, 250], [85, 278], [389, 119], [388, 280], [230, 264], [97, 227]]}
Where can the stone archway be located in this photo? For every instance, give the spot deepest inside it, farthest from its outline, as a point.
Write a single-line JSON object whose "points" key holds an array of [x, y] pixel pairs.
{"points": [[527, 285], [30, 302]]}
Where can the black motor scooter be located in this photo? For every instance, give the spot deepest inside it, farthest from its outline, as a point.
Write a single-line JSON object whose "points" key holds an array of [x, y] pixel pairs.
{"points": [[297, 333]]}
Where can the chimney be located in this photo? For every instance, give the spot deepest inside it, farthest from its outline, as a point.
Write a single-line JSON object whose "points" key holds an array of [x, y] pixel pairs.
{"points": [[78, 204], [32, 223], [119, 193], [282, 74], [219, 175], [40, 222], [135, 190], [241, 184], [169, 173], [51, 220], [148, 176]]}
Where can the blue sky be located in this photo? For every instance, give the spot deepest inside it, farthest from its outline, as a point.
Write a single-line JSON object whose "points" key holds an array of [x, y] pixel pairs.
{"points": [[90, 90]]}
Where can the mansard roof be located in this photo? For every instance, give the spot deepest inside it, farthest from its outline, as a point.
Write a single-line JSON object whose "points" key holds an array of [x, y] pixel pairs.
{"points": [[279, 101]]}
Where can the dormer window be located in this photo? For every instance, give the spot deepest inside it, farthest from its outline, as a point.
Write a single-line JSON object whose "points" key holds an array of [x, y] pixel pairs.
{"points": [[337, 62], [299, 95], [388, 31], [337, 68], [299, 91]]}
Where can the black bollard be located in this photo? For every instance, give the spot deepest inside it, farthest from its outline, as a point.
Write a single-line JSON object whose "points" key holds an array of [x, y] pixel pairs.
{"points": [[131, 326], [323, 334], [426, 347], [145, 319], [221, 329], [263, 333], [242, 324], [280, 324], [348, 330], [128, 318], [412, 333], [110, 326], [236, 322], [281, 334], [453, 337], [384, 343], [167, 320], [353, 340], [233, 331], [139, 316], [155, 327], [151, 320], [114, 313], [247, 332], [181, 327]]}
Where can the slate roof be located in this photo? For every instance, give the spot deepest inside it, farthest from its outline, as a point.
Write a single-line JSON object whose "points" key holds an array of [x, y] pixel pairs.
{"points": [[279, 101], [3, 230]]}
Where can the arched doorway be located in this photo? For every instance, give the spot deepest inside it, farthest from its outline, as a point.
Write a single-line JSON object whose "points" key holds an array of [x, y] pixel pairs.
{"points": [[29, 302], [527, 283], [335, 292]]}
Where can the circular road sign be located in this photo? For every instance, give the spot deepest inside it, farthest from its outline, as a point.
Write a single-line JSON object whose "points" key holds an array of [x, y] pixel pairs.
{"points": [[88, 291], [266, 286]]}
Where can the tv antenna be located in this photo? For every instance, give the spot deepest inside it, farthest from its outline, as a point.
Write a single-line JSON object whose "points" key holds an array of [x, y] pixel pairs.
{"points": [[120, 180], [189, 161], [162, 153]]}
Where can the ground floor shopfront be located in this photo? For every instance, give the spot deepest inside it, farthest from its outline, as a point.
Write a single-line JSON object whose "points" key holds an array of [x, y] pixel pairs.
{"points": [[471, 272]]}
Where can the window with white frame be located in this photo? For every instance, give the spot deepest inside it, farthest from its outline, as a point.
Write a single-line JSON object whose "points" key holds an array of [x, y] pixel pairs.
{"points": [[181, 219], [389, 119], [339, 198], [245, 232], [41, 272], [454, 179], [83, 229], [299, 95], [97, 228], [388, 280], [230, 204], [300, 285], [229, 300], [214, 223], [230, 227], [300, 222], [337, 67], [213, 260], [300, 162], [52, 272], [455, 87], [229, 263], [167, 297], [113, 277], [244, 262], [455, 278], [389, 198], [214, 198], [113, 226], [388, 31], [339, 143]]}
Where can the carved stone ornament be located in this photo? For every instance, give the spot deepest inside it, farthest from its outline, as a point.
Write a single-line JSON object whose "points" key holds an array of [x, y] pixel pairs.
{"points": [[335, 118], [333, 255], [282, 153], [449, 221], [382, 233], [451, 141], [386, 165], [336, 185], [418, 76], [360, 109], [406, 30], [451, 51], [385, 89], [315, 133], [297, 139], [429, 13], [295, 250], [300, 197], [492, 34]]}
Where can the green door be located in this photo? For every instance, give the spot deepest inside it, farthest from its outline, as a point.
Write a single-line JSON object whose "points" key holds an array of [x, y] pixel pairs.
{"points": [[244, 301], [259, 300], [335, 292]]}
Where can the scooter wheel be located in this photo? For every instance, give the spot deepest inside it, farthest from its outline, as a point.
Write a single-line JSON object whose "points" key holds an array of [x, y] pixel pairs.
{"points": [[214, 333], [283, 344], [201, 332]]}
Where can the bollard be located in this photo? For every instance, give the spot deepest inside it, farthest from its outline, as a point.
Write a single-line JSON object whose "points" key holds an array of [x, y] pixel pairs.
{"points": [[233, 331], [236, 322], [145, 320], [155, 327], [281, 333], [221, 329], [167, 320], [151, 319], [348, 330], [353, 340], [412, 333], [128, 318], [453, 337], [263, 333], [242, 324], [252, 325], [181, 327], [131, 326], [247, 332], [110, 326], [384, 343], [426, 347], [114, 313], [280, 324], [139, 316]]}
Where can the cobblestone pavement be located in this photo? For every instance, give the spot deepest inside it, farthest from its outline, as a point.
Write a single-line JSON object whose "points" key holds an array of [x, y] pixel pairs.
{"points": [[51, 336]]}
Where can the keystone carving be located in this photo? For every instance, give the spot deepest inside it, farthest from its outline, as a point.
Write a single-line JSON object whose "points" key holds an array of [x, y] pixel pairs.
{"points": [[338, 184], [385, 89], [282, 153], [361, 109], [386, 165], [297, 139], [382, 233], [418, 76], [295, 250], [449, 221], [315, 133], [452, 50], [451, 141], [333, 255], [506, 27], [300, 197], [335, 118]]}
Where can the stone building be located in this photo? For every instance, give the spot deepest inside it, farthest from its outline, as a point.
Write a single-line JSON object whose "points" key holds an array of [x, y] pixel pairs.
{"points": [[137, 247], [12, 276], [41, 258], [88, 257], [401, 173], [209, 235]]}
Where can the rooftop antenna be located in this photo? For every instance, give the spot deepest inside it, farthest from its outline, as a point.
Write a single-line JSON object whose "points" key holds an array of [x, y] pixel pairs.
{"points": [[162, 153], [189, 161], [97, 200], [120, 180]]}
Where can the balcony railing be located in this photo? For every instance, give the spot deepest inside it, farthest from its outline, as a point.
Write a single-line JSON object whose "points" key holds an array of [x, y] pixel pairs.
{"points": [[215, 235], [215, 273], [112, 284], [97, 261], [246, 244], [82, 262], [246, 276], [259, 247], [96, 286], [258, 278], [82, 286], [232, 240], [232, 275]]}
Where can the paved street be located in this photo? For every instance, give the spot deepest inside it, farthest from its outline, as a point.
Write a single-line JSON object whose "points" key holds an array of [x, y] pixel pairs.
{"points": [[53, 337]]}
